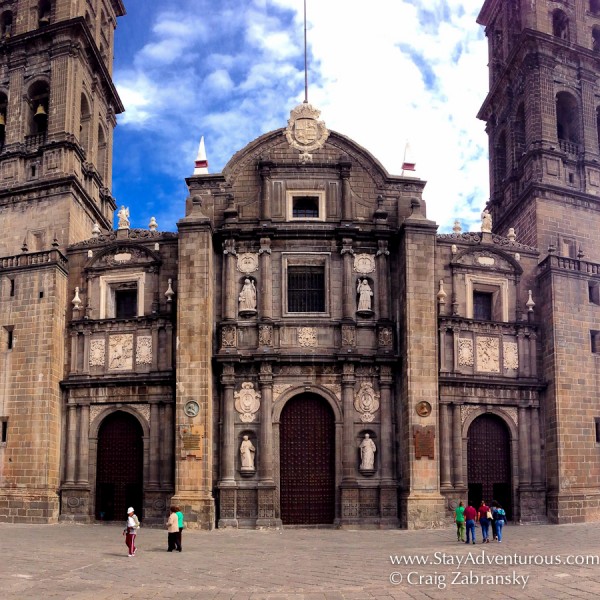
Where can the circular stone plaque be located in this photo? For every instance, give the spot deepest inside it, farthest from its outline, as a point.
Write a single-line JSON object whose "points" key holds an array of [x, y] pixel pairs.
{"points": [[191, 408], [423, 408]]}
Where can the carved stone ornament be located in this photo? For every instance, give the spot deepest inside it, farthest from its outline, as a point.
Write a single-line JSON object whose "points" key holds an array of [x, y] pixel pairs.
{"points": [[143, 350], [348, 335], [247, 262], [120, 352], [488, 354], [364, 263], [228, 336], [304, 131], [247, 402], [366, 402], [191, 408], [265, 335], [97, 353], [307, 336], [465, 352], [466, 410], [280, 388], [511, 355], [423, 408], [385, 337]]}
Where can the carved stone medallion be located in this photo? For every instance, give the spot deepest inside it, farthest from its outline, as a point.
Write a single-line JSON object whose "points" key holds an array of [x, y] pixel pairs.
{"points": [[304, 131], [247, 402], [385, 337], [366, 402], [228, 336], [307, 336], [120, 352], [265, 335], [364, 263], [423, 408], [348, 335], [247, 263]]}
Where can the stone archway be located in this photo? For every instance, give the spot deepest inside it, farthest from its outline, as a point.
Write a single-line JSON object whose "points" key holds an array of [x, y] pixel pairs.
{"points": [[489, 462], [307, 461], [120, 466]]}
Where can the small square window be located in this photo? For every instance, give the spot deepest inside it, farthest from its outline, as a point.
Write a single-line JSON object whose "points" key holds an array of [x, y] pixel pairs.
{"points": [[306, 206]]}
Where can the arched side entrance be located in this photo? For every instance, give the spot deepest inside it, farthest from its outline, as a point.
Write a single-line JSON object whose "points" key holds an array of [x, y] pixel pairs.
{"points": [[488, 462], [307, 461], [120, 466]]}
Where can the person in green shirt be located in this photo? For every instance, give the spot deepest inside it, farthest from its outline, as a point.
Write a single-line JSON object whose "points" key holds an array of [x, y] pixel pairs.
{"points": [[459, 517], [180, 519]]}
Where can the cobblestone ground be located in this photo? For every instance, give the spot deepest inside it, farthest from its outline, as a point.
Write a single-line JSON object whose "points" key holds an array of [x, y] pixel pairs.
{"points": [[90, 562]]}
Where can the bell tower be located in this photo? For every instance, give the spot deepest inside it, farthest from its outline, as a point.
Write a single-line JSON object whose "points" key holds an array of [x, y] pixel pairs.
{"points": [[543, 120], [58, 108]]}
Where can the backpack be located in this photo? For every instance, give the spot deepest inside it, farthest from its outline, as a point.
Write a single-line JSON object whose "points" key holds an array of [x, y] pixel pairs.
{"points": [[500, 515]]}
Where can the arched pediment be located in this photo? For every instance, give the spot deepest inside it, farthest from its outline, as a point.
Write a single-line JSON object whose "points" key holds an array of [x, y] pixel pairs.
{"points": [[123, 254], [487, 258]]}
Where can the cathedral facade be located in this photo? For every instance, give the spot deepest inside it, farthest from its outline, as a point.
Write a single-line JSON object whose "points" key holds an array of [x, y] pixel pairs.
{"points": [[306, 349]]}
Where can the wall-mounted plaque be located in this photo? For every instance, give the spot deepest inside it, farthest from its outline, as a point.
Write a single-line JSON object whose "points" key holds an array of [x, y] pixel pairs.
{"points": [[191, 440], [191, 408], [423, 408], [424, 441]]}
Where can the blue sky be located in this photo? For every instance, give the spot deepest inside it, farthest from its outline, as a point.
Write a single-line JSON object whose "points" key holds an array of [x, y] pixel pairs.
{"points": [[381, 73]]}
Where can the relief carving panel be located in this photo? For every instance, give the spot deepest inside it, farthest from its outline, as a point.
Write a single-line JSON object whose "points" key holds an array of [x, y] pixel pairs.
{"points": [[143, 350], [97, 353], [120, 352], [488, 354]]}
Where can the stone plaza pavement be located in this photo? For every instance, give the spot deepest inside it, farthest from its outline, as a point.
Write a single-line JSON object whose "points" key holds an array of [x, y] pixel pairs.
{"points": [[90, 562]]}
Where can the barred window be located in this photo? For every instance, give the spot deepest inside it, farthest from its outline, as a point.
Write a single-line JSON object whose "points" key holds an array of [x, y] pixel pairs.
{"points": [[305, 207], [482, 306], [126, 302], [306, 289]]}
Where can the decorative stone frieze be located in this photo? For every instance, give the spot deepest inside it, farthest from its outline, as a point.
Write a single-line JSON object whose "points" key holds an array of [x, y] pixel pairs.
{"points": [[247, 402], [97, 353], [143, 350], [366, 402], [488, 354], [120, 352]]}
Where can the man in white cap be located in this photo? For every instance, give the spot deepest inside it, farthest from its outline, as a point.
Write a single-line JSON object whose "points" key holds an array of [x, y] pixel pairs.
{"points": [[130, 531]]}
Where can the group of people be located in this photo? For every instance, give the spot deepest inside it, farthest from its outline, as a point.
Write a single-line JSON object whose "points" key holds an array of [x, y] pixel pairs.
{"points": [[485, 515], [174, 528]]}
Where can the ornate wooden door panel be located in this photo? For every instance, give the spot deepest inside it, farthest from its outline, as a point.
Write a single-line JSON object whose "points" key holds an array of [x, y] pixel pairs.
{"points": [[489, 462], [307, 461], [120, 471]]}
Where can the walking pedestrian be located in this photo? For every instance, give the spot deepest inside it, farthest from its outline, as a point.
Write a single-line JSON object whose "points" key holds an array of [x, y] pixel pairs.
{"points": [[459, 518], [470, 516], [130, 532], [500, 519], [172, 529], [484, 516], [493, 507], [180, 525]]}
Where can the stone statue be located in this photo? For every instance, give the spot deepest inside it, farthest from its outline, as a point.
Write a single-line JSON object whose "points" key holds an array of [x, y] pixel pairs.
{"points": [[247, 296], [486, 221], [365, 293], [247, 451], [123, 215], [367, 454]]}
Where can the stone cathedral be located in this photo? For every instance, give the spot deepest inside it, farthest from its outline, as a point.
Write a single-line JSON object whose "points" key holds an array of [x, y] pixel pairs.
{"points": [[306, 349]]}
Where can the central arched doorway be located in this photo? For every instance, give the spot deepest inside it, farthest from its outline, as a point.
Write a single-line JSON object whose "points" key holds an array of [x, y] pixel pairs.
{"points": [[489, 472], [307, 461], [120, 470]]}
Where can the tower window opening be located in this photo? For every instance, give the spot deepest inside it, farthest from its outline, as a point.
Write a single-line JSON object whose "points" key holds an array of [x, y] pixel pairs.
{"points": [[6, 22], [482, 306], [560, 25], [594, 292], [4, 434], [11, 288], [10, 339], [44, 13], [597, 424], [595, 341], [567, 122], [596, 39], [520, 131], [501, 163]]}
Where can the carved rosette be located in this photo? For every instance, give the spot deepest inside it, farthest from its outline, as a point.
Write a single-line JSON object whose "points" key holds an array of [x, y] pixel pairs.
{"points": [[229, 336], [97, 353], [247, 402], [488, 354], [465, 352], [364, 263], [385, 337], [265, 335], [247, 263], [143, 350], [366, 402], [120, 352], [307, 337], [511, 355]]}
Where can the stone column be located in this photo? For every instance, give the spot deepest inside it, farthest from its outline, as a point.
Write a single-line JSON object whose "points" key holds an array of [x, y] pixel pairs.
{"points": [[349, 488], [265, 197], [74, 351], [153, 481], [265, 300], [84, 444], [348, 300], [345, 167], [524, 454], [230, 293], [228, 449], [445, 447], [87, 334], [457, 446], [388, 497], [71, 444], [383, 279], [536, 450]]}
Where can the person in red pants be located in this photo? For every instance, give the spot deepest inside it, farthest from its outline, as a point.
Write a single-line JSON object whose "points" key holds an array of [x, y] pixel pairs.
{"points": [[130, 531]]}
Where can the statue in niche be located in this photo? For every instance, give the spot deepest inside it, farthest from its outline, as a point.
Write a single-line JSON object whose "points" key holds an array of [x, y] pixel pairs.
{"points": [[247, 451], [123, 215], [247, 297], [365, 294], [367, 454], [486, 221]]}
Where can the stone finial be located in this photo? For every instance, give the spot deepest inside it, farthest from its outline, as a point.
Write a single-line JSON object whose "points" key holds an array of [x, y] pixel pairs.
{"points": [[55, 243], [90, 253], [454, 249], [441, 295], [580, 254], [486, 221], [123, 216], [24, 247], [153, 225], [530, 303], [201, 162], [170, 293], [457, 228], [76, 302], [96, 230], [511, 235]]}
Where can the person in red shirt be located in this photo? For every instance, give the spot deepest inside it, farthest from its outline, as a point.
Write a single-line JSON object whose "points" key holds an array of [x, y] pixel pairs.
{"points": [[484, 521], [470, 516]]}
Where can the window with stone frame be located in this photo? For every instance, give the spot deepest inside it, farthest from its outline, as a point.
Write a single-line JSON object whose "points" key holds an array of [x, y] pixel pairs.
{"points": [[9, 337], [305, 205], [122, 295], [568, 247], [594, 292], [126, 300], [597, 424], [595, 341], [486, 298], [482, 305], [595, 7], [305, 284], [560, 25], [3, 430]]}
